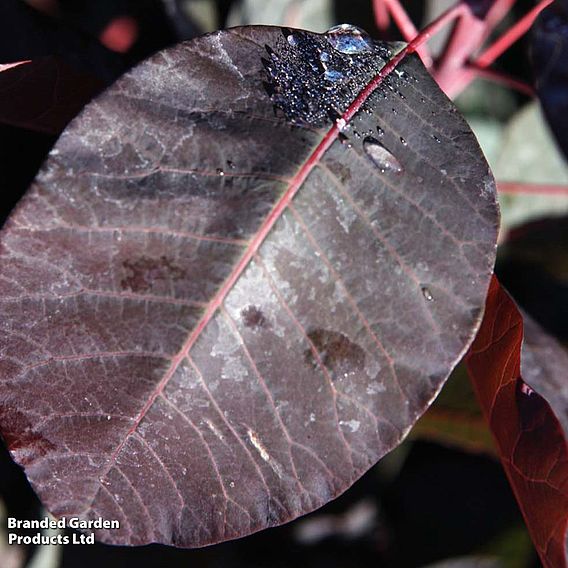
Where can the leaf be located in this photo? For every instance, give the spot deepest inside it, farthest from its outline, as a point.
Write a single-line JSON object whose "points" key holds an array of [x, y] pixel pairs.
{"points": [[454, 419], [315, 15], [44, 94], [533, 267], [529, 154], [218, 310], [525, 406], [549, 54]]}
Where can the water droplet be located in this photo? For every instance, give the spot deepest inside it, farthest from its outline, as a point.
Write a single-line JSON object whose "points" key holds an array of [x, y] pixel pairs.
{"points": [[349, 39], [341, 124], [380, 131], [427, 294], [231, 164], [333, 75], [436, 139], [380, 156], [403, 141], [220, 172], [292, 40]]}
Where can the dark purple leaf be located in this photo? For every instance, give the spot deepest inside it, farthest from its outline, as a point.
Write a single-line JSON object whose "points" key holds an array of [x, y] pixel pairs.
{"points": [[218, 310], [44, 94], [549, 50]]}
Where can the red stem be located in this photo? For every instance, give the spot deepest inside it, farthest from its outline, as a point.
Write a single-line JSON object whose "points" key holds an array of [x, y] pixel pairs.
{"points": [[502, 78], [434, 27], [407, 28], [511, 36], [466, 37], [381, 12], [496, 13], [514, 188]]}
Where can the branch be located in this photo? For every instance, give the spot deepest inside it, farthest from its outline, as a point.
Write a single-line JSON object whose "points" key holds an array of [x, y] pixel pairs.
{"points": [[514, 188], [511, 36], [501, 78]]}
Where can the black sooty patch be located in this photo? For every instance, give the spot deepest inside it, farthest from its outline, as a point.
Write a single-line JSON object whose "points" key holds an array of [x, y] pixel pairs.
{"points": [[313, 78]]}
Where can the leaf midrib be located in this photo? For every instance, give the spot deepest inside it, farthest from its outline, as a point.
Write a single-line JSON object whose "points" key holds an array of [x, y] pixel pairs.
{"points": [[256, 242]]}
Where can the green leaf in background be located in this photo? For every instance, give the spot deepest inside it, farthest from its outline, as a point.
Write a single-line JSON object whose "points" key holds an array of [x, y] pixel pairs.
{"points": [[455, 418], [313, 15]]}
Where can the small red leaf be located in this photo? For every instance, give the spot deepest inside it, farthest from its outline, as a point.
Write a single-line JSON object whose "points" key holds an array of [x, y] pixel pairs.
{"points": [[530, 437]]}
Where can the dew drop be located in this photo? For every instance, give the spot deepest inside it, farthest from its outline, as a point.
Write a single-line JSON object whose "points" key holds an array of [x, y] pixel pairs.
{"points": [[220, 172], [380, 156], [292, 40], [341, 124], [349, 39], [436, 139], [380, 131], [231, 164], [427, 294], [403, 141]]}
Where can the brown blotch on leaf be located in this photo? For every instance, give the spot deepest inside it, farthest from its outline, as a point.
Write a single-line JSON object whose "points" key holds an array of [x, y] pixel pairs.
{"points": [[143, 273], [336, 351], [20, 437], [253, 317]]}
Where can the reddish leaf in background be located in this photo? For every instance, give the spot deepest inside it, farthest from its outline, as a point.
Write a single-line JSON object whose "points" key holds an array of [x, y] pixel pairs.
{"points": [[44, 94], [530, 437]]}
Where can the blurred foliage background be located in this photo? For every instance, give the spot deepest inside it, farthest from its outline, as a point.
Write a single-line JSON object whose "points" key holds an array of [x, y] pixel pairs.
{"points": [[441, 499]]}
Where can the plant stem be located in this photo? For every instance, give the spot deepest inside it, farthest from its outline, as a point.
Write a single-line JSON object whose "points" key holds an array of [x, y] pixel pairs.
{"points": [[382, 18], [407, 28], [511, 36], [502, 78], [514, 188], [496, 13]]}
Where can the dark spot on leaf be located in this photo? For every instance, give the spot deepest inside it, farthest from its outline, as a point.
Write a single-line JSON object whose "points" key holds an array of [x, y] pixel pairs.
{"points": [[336, 351], [20, 437], [142, 274], [253, 317], [296, 71]]}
